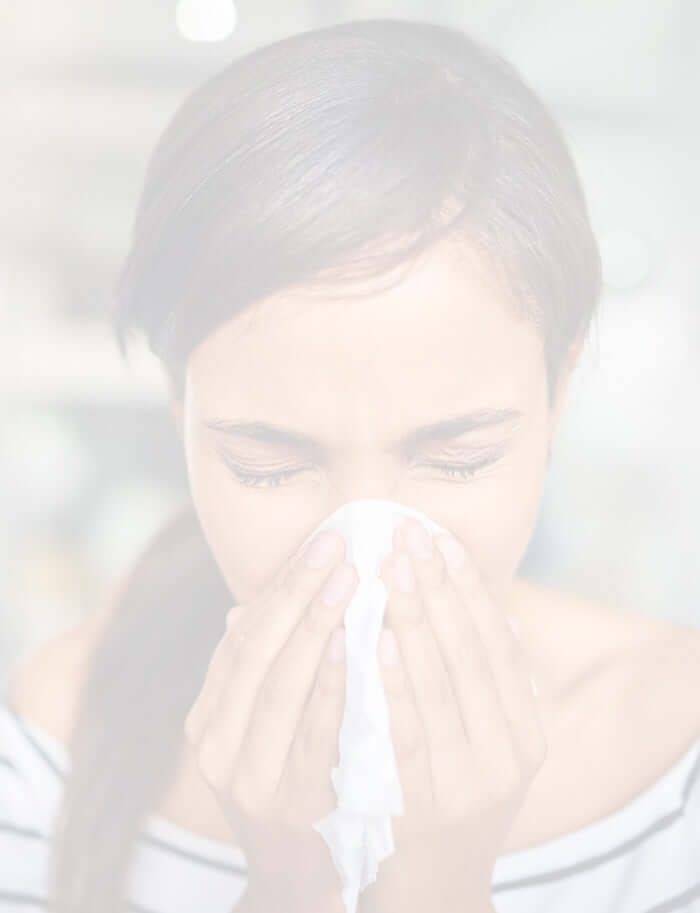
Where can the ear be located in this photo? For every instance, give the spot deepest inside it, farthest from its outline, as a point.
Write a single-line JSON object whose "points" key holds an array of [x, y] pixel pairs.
{"points": [[176, 405], [177, 412], [557, 409]]}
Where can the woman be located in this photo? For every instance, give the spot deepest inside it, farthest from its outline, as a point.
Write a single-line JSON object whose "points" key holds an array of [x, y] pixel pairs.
{"points": [[364, 258]]}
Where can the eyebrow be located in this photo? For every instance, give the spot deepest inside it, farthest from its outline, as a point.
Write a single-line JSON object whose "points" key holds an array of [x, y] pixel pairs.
{"points": [[441, 431]]}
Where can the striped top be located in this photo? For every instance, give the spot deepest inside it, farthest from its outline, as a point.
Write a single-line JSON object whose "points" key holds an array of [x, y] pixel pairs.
{"points": [[642, 858]]}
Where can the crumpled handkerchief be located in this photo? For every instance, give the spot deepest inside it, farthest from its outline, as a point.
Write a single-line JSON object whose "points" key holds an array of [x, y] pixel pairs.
{"points": [[366, 781]]}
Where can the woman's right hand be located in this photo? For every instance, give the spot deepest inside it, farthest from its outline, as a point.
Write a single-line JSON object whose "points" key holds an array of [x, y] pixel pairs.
{"points": [[265, 727]]}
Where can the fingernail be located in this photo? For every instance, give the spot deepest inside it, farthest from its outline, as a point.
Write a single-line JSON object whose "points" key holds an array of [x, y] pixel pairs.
{"points": [[452, 550], [388, 647], [533, 686], [339, 585], [321, 550], [336, 648], [403, 573], [418, 540]]}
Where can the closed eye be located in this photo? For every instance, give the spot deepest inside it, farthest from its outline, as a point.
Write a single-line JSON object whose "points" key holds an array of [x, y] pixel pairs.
{"points": [[451, 471], [462, 470], [256, 479]]}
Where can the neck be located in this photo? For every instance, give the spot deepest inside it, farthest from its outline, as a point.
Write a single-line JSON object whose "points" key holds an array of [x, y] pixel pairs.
{"points": [[545, 619]]}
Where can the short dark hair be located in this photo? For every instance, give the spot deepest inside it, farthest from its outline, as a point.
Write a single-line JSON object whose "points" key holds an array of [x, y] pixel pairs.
{"points": [[341, 151]]}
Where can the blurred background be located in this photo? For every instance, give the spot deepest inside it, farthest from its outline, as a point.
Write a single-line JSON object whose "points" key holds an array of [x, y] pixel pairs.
{"points": [[90, 464]]}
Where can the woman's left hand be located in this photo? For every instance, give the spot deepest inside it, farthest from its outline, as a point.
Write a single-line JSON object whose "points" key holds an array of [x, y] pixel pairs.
{"points": [[466, 729]]}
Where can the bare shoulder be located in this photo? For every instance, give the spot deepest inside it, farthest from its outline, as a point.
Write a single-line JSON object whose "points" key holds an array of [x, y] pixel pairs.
{"points": [[654, 667], [587, 640], [641, 674], [662, 689], [45, 687], [625, 709], [46, 679]]}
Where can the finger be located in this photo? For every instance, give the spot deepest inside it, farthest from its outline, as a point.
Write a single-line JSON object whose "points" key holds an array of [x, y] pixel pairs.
{"points": [[253, 642], [280, 705], [507, 658], [407, 734], [436, 701], [218, 670], [469, 669], [315, 749], [238, 620]]}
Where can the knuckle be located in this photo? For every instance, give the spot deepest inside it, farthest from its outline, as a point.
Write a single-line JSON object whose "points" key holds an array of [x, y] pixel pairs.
{"points": [[464, 797], [295, 766], [239, 618], [504, 781], [287, 582], [542, 747], [508, 653], [394, 680], [416, 616], [435, 577], [247, 796], [330, 681], [190, 727], [408, 737], [273, 697], [211, 762], [455, 805], [333, 540], [302, 760], [459, 802], [231, 617], [242, 641], [318, 620], [311, 739], [466, 647], [536, 750], [452, 789], [470, 584], [316, 738], [440, 691], [299, 583]]}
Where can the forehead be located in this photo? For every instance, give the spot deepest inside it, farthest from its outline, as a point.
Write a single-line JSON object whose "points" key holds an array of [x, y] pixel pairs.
{"points": [[444, 332]]}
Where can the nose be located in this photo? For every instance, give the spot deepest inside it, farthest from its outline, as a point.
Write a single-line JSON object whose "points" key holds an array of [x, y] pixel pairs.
{"points": [[364, 480]]}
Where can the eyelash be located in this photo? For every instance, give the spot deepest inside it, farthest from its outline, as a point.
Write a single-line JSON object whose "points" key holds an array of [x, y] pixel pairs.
{"points": [[463, 471]]}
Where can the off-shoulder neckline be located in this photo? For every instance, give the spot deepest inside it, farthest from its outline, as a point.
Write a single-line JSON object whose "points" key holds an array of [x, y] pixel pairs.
{"points": [[654, 807]]}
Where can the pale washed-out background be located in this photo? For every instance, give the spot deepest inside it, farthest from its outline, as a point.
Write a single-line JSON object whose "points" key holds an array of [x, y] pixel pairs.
{"points": [[89, 461]]}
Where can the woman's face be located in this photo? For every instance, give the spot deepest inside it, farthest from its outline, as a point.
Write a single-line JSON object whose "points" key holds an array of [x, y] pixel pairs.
{"points": [[429, 393]]}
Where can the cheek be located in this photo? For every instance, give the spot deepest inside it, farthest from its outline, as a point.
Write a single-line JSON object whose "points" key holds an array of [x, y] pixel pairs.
{"points": [[250, 535], [498, 517]]}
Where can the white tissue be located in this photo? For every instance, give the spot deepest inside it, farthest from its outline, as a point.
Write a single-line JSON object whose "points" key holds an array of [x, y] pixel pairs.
{"points": [[366, 781]]}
